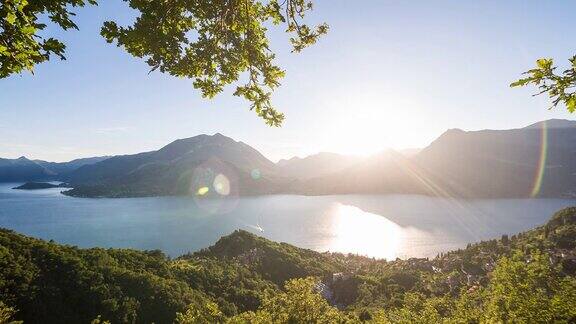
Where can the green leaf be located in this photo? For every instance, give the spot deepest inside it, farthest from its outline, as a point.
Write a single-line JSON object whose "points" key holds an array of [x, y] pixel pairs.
{"points": [[520, 83], [571, 104], [29, 30], [11, 18], [544, 63]]}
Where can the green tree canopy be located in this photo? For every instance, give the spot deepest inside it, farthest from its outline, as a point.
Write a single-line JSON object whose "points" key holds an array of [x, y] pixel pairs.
{"points": [[21, 46], [213, 42], [529, 291], [6, 314], [300, 303]]}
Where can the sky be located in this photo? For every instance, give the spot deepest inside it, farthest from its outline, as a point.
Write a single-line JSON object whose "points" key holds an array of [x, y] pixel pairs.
{"points": [[389, 74]]}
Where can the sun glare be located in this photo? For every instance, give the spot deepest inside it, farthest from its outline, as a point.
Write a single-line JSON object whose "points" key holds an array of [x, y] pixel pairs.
{"points": [[367, 122], [365, 233]]}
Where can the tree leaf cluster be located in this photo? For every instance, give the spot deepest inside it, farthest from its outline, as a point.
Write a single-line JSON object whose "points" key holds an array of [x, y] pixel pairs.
{"points": [[560, 86], [215, 43]]}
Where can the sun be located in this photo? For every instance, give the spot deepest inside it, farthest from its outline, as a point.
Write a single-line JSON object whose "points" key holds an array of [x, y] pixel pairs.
{"points": [[365, 123]]}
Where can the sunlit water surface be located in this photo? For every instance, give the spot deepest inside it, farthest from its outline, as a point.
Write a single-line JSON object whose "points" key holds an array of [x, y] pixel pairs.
{"points": [[383, 226]]}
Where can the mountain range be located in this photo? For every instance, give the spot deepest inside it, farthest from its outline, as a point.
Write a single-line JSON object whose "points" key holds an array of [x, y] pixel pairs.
{"points": [[23, 169], [538, 160]]}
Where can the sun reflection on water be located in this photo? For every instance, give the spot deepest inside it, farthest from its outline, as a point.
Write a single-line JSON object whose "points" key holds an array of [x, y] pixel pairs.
{"points": [[360, 232]]}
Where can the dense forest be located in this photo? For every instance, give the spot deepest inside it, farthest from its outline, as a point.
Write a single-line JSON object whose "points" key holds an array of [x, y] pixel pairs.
{"points": [[243, 278]]}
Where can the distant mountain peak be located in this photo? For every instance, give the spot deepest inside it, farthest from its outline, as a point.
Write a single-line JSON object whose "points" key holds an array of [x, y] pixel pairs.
{"points": [[215, 137], [455, 130], [315, 165], [283, 162], [554, 123], [185, 144], [176, 168]]}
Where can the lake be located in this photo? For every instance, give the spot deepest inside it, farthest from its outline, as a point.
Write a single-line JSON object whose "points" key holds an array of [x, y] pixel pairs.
{"points": [[382, 226]]}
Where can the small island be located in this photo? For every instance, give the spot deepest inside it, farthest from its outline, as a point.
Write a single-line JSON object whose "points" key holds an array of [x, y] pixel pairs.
{"points": [[40, 185]]}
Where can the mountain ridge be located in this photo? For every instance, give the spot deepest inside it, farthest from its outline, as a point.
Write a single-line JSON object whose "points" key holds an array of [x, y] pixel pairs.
{"points": [[182, 167], [469, 164], [315, 165]]}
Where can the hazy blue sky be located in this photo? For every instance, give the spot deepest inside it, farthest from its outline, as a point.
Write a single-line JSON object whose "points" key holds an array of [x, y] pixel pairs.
{"points": [[389, 74]]}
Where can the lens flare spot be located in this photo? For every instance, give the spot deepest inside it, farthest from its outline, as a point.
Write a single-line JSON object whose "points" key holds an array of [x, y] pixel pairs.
{"points": [[202, 191], [222, 185], [256, 174]]}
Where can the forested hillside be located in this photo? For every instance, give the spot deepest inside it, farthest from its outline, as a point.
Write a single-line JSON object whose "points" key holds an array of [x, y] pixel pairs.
{"points": [[528, 277]]}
